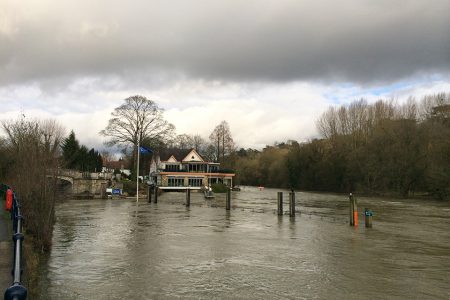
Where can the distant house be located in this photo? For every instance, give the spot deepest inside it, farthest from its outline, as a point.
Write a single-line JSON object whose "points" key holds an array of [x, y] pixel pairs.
{"points": [[121, 165], [181, 169]]}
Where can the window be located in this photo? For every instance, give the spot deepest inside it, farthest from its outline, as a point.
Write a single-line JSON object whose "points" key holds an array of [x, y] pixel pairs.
{"points": [[172, 168], [174, 181], [195, 181]]}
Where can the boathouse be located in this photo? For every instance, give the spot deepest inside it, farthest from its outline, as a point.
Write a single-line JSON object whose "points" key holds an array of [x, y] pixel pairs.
{"points": [[182, 169]]}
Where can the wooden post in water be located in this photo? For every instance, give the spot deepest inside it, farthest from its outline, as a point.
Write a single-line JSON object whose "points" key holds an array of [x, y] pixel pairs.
{"points": [[156, 194], [280, 203], [149, 194], [292, 204], [368, 217], [228, 199], [350, 197], [188, 197]]}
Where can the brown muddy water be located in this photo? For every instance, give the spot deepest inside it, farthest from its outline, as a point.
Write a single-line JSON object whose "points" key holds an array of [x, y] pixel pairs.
{"points": [[120, 249]]}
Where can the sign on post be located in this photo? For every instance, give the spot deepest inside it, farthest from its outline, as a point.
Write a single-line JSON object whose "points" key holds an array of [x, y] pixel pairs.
{"points": [[116, 192]]}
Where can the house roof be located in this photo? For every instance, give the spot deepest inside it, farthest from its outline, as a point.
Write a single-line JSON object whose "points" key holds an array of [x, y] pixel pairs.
{"points": [[178, 154], [193, 155], [172, 159], [117, 164]]}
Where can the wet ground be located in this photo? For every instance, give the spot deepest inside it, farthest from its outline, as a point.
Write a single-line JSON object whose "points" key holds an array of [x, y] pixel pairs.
{"points": [[6, 252], [118, 249]]}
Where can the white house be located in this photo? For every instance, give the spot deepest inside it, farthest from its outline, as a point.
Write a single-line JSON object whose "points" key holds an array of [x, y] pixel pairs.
{"points": [[182, 169]]}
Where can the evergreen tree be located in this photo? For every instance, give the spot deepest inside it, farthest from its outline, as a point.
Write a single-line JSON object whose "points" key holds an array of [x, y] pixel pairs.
{"points": [[70, 148], [83, 159], [99, 162], [79, 157]]}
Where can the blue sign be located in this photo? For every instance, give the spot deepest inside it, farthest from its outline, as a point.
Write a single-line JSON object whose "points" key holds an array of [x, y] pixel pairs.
{"points": [[369, 213], [117, 191]]}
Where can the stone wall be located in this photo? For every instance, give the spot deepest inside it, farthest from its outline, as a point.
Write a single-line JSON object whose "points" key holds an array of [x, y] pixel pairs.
{"points": [[92, 186]]}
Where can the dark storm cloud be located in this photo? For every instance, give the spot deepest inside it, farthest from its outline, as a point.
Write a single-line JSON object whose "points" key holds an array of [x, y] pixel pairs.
{"points": [[277, 40]]}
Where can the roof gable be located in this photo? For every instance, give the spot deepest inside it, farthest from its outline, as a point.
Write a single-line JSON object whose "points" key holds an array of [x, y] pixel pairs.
{"points": [[193, 156], [172, 159]]}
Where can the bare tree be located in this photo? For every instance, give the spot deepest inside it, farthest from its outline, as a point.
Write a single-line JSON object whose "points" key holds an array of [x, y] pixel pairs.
{"points": [[327, 124], [184, 141], [136, 120], [52, 135], [188, 141], [107, 157], [434, 105], [199, 143], [222, 140], [410, 109]]}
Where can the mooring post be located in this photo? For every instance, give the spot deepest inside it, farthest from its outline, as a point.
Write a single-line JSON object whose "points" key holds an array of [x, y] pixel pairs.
{"points": [[280, 203], [188, 197], [368, 217], [156, 194], [350, 197], [355, 212], [292, 204], [228, 199], [149, 194]]}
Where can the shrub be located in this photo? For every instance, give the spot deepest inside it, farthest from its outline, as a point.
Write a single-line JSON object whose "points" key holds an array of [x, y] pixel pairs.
{"points": [[219, 188], [129, 187]]}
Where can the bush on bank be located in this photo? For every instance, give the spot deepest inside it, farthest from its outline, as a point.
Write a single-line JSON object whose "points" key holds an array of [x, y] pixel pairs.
{"points": [[219, 188]]}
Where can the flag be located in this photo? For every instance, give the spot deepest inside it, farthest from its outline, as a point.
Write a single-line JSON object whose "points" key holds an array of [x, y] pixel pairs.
{"points": [[145, 150]]}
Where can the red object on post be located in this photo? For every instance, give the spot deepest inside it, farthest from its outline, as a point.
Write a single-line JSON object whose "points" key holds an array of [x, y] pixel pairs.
{"points": [[9, 199]]}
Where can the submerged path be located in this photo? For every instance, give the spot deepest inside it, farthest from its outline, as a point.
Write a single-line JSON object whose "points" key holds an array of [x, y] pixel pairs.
{"points": [[6, 253]]}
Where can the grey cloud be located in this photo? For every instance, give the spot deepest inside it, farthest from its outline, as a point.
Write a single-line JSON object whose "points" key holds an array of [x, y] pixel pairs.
{"points": [[276, 40]]}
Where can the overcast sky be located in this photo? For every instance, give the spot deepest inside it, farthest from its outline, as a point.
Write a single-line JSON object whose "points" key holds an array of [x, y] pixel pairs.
{"points": [[268, 67]]}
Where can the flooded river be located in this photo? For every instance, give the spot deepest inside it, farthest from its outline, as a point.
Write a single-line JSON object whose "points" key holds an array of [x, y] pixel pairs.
{"points": [[118, 249]]}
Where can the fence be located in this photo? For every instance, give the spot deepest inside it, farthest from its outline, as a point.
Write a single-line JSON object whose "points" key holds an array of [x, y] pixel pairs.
{"points": [[16, 291]]}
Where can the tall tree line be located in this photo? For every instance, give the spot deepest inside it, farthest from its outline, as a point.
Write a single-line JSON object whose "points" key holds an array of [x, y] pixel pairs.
{"points": [[379, 148]]}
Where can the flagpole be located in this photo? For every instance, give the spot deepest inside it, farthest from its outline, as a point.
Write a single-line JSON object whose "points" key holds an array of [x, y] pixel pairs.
{"points": [[137, 171]]}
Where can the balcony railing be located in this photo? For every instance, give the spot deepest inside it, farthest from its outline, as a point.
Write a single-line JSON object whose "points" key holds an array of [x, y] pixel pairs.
{"points": [[222, 171]]}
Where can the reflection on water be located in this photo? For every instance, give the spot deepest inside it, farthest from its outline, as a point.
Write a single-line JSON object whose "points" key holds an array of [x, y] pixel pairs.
{"points": [[117, 249]]}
